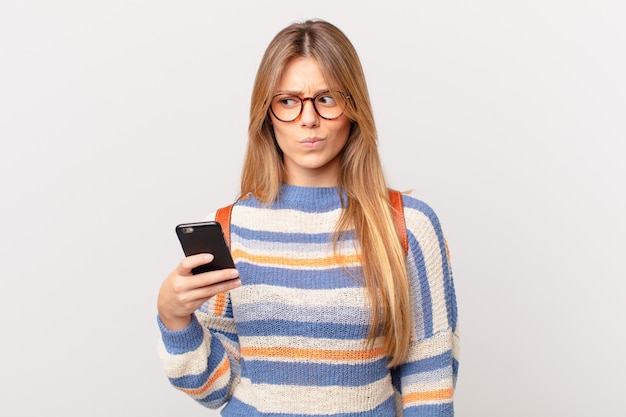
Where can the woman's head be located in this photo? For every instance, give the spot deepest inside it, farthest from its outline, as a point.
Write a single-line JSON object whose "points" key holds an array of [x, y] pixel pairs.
{"points": [[309, 126], [341, 69]]}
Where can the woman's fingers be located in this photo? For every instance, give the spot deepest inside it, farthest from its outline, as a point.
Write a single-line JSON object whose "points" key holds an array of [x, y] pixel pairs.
{"points": [[190, 262], [182, 292]]}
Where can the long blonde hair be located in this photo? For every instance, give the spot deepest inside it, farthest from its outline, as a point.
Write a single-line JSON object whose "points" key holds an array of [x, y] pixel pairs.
{"points": [[361, 178]]}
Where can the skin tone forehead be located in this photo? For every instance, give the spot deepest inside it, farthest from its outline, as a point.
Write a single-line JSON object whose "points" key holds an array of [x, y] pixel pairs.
{"points": [[302, 76]]}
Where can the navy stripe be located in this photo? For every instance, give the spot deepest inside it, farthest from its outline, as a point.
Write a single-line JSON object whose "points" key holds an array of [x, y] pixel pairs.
{"points": [[304, 199], [232, 337], [279, 237], [422, 276], [182, 341], [325, 279], [439, 410], [426, 365], [305, 329], [315, 374], [434, 362]]}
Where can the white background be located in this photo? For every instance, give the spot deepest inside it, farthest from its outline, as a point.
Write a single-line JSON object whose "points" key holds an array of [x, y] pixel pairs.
{"points": [[120, 119]]}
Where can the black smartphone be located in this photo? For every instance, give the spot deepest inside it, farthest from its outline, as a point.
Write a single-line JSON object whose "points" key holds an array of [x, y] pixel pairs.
{"points": [[205, 237]]}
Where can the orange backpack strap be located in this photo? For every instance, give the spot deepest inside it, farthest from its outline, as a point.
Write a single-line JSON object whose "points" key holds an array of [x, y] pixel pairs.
{"points": [[222, 216], [395, 197]]}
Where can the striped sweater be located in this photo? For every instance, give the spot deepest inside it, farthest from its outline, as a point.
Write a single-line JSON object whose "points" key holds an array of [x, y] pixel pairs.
{"points": [[292, 340]]}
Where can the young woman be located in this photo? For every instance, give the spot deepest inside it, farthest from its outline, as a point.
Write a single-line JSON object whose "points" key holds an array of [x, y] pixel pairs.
{"points": [[326, 313]]}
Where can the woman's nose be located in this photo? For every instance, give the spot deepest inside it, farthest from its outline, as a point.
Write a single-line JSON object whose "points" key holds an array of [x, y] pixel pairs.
{"points": [[309, 116]]}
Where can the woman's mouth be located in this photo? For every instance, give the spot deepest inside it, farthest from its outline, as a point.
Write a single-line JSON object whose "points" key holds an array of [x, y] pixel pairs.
{"points": [[312, 143]]}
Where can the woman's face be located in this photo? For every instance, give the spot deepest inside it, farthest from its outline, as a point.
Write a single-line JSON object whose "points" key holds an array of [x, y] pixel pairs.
{"points": [[310, 144]]}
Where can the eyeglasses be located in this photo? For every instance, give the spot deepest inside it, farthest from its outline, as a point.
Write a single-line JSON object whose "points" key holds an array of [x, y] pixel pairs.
{"points": [[328, 105]]}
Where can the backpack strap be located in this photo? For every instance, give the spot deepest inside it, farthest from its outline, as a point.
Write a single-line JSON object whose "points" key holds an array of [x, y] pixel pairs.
{"points": [[395, 197], [222, 216]]}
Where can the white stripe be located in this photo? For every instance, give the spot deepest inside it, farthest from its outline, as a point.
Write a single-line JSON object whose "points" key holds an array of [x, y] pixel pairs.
{"points": [[297, 250], [220, 324], [436, 345], [311, 343], [274, 220], [331, 314], [179, 365], [426, 235], [428, 381], [437, 385], [348, 297], [313, 400], [217, 385], [456, 345]]}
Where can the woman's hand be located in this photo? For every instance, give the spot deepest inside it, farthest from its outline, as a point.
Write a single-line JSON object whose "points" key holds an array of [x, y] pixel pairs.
{"points": [[182, 292]]}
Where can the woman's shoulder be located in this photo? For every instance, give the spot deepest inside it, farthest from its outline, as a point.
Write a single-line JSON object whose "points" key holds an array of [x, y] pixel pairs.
{"points": [[416, 205], [419, 216]]}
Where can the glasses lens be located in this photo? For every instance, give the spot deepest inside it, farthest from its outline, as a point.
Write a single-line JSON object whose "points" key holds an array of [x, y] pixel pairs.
{"points": [[286, 107], [330, 104]]}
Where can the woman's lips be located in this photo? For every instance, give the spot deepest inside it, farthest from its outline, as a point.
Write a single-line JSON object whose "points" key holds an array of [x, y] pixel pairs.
{"points": [[312, 143]]}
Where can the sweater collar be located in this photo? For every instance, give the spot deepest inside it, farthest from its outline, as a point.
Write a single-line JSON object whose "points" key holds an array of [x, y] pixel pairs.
{"points": [[308, 198]]}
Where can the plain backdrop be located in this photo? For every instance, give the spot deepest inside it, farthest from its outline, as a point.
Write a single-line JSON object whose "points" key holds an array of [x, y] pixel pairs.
{"points": [[120, 119]]}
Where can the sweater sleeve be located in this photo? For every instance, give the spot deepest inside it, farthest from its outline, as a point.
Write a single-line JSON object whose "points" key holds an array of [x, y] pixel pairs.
{"points": [[202, 360], [426, 382]]}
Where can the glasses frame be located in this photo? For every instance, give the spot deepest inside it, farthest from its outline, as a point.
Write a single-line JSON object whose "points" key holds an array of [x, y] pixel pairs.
{"points": [[312, 99]]}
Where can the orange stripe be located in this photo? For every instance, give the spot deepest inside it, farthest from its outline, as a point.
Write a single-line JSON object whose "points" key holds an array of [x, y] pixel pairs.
{"points": [[220, 304], [224, 367], [442, 394], [311, 262], [294, 353]]}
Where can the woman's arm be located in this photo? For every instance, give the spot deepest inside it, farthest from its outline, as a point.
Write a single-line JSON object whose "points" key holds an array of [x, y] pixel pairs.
{"points": [[426, 381], [198, 345]]}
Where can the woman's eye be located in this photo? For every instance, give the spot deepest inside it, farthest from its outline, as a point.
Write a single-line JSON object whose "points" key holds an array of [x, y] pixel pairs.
{"points": [[326, 100], [288, 101]]}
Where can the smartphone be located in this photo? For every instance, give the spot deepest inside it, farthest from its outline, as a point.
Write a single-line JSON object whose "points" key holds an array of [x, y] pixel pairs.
{"points": [[205, 237]]}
